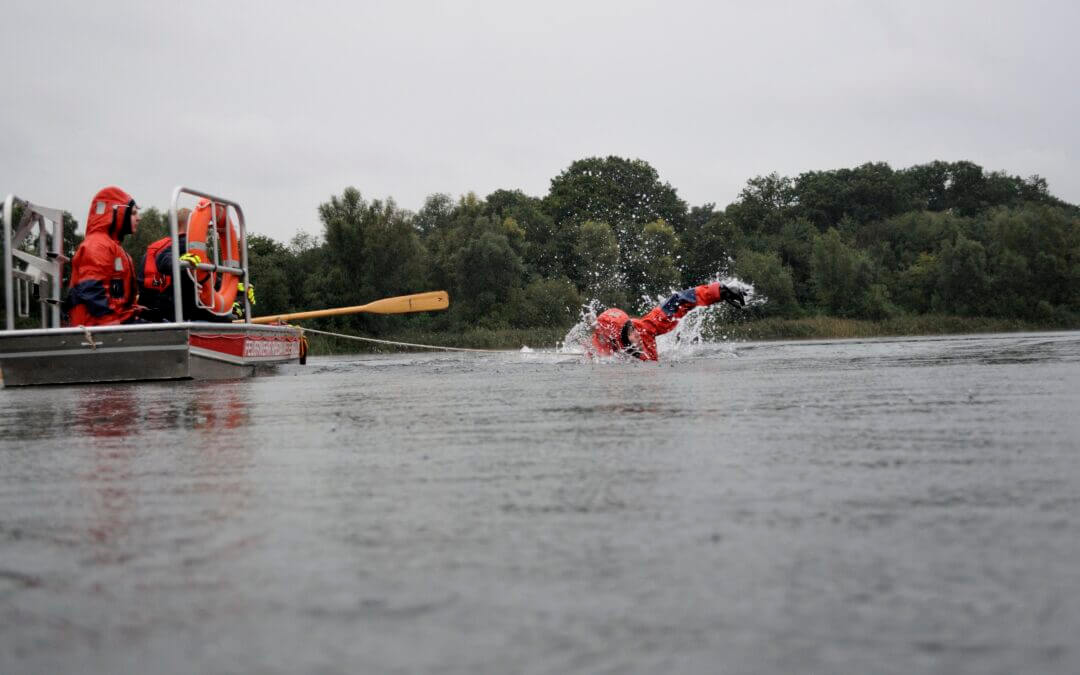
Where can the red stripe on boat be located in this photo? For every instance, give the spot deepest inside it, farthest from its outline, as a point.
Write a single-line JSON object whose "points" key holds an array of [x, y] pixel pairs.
{"points": [[250, 346]]}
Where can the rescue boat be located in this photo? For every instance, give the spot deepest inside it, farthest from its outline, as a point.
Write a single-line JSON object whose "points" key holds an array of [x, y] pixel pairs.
{"points": [[178, 350]]}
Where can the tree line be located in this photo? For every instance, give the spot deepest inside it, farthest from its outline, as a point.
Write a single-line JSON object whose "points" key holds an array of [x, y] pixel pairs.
{"points": [[868, 242]]}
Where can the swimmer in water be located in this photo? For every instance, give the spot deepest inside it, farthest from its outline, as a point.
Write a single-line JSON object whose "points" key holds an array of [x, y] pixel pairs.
{"points": [[617, 333]]}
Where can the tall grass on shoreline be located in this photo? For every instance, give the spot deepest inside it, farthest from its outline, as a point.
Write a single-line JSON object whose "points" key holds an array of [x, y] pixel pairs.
{"points": [[831, 327], [808, 328]]}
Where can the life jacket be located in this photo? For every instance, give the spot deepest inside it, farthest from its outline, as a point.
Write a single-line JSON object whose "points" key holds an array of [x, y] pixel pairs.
{"points": [[152, 278]]}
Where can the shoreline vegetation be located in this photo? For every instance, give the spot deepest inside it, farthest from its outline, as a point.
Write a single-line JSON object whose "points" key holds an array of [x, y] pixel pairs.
{"points": [[942, 247], [806, 328], [835, 328]]}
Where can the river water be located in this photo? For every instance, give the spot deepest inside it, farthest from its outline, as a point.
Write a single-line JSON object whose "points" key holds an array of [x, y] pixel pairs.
{"points": [[881, 506]]}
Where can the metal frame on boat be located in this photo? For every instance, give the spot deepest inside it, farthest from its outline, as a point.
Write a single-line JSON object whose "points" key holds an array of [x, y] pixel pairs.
{"points": [[163, 351]]}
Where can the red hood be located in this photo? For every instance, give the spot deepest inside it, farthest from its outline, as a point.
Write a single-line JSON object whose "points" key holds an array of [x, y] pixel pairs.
{"points": [[606, 335], [101, 218]]}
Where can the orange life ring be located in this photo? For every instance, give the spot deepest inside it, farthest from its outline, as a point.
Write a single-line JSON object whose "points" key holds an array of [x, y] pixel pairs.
{"points": [[217, 290]]}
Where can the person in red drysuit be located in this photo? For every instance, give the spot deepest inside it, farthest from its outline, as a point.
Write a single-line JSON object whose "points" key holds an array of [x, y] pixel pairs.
{"points": [[102, 289], [616, 333], [153, 276], [154, 280]]}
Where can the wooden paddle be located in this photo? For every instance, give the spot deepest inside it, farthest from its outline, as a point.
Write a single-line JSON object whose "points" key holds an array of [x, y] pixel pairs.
{"points": [[402, 304]]}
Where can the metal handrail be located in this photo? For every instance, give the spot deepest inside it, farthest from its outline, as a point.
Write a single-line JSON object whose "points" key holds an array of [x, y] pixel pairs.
{"points": [[9, 291], [242, 271], [52, 268]]}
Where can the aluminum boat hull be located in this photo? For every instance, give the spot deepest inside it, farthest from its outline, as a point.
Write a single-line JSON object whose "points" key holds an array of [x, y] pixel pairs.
{"points": [[167, 351]]}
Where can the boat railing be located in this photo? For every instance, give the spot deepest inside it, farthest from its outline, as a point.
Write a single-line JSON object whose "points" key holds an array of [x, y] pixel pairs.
{"points": [[23, 269], [215, 266]]}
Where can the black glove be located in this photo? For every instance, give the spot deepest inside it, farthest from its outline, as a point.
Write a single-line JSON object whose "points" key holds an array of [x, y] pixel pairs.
{"points": [[732, 296]]}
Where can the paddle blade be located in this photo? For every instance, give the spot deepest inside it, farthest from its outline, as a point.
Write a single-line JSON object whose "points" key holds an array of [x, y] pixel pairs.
{"points": [[420, 302]]}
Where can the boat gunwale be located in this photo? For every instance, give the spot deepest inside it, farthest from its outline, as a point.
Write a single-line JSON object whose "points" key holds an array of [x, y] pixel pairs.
{"points": [[194, 326]]}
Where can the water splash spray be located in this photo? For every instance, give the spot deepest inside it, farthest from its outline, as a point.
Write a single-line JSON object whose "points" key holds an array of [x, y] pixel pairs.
{"points": [[688, 338]]}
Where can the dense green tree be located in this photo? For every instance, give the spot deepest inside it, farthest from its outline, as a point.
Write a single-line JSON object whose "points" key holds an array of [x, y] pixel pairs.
{"points": [[1012, 291], [841, 274], [626, 194], [544, 303], [613, 190], [916, 285], [795, 246], [376, 243], [486, 271], [771, 279], [437, 212], [372, 250], [926, 186], [548, 245], [707, 248], [963, 287], [598, 273], [653, 270], [910, 234], [1048, 239], [507, 202], [764, 205], [865, 194], [267, 268], [968, 191], [306, 254]]}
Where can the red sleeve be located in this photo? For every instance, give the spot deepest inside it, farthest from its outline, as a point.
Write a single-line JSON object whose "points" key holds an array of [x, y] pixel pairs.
{"points": [[665, 316], [709, 294]]}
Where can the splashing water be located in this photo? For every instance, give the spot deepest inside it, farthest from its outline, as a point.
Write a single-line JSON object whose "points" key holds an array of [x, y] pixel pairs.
{"points": [[579, 337], [687, 339]]}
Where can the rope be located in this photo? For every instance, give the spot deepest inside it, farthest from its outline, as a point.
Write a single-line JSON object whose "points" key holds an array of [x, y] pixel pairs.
{"points": [[89, 338], [400, 344]]}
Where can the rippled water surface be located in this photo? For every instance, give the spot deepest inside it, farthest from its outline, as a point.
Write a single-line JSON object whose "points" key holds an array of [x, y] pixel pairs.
{"points": [[888, 506]]}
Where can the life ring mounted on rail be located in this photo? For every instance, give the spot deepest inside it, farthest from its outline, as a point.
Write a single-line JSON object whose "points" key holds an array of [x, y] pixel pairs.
{"points": [[215, 291]]}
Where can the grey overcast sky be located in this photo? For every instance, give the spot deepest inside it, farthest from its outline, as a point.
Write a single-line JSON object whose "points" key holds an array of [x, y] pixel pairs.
{"points": [[281, 105]]}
